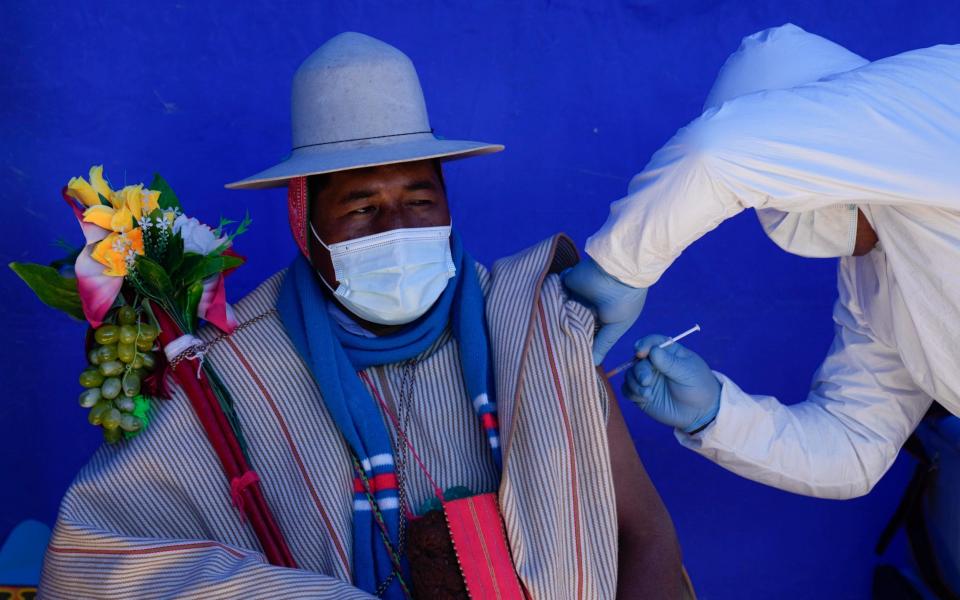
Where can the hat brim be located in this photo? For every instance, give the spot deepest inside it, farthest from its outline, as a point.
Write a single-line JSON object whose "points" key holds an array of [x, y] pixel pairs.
{"points": [[328, 159]]}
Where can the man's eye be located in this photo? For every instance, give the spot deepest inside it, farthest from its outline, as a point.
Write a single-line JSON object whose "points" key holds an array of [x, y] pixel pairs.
{"points": [[421, 202], [363, 210]]}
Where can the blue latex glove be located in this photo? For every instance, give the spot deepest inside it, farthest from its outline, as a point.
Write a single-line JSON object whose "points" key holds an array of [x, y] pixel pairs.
{"points": [[616, 304], [673, 385]]}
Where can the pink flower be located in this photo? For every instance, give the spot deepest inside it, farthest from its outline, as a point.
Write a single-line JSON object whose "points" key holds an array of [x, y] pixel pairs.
{"points": [[97, 290]]}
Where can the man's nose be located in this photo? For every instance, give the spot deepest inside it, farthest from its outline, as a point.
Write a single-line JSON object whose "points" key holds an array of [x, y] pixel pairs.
{"points": [[394, 216]]}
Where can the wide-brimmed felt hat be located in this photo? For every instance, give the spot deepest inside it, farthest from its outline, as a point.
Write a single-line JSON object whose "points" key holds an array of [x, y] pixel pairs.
{"points": [[356, 103]]}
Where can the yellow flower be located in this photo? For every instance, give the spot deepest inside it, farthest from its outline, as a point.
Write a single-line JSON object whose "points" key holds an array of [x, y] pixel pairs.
{"points": [[121, 220], [100, 216], [136, 199], [118, 250], [78, 188], [98, 183], [89, 193], [127, 204], [150, 202]]}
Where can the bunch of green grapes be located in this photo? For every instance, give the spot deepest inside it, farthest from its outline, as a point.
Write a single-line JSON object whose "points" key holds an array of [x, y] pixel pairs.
{"points": [[119, 361]]}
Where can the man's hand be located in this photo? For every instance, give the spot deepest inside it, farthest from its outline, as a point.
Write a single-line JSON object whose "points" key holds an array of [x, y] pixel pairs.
{"points": [[616, 304], [673, 385]]}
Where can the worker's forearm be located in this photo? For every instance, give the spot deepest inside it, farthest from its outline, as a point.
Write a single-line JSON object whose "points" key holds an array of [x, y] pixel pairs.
{"points": [[823, 447]]}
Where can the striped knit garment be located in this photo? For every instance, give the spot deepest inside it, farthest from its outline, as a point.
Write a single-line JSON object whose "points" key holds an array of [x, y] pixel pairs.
{"points": [[152, 518]]}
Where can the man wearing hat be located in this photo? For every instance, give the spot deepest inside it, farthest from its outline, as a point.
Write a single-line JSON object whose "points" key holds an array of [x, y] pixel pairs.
{"points": [[384, 373]]}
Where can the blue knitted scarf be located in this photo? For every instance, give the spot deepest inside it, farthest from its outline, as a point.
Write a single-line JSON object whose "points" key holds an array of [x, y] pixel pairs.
{"points": [[335, 356]]}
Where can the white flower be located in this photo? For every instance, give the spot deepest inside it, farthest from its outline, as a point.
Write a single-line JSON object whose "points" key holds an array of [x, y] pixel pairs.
{"points": [[197, 237]]}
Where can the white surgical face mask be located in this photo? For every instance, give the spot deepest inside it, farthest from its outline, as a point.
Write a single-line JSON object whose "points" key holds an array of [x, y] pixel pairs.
{"points": [[827, 232], [394, 277]]}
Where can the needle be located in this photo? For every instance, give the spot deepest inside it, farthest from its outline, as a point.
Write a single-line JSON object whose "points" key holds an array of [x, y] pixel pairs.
{"points": [[623, 367]]}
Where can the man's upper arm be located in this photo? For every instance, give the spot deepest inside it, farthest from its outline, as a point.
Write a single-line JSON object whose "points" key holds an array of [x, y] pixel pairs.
{"points": [[650, 564]]}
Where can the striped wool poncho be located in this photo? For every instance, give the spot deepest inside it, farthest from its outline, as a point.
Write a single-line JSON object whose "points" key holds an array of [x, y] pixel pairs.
{"points": [[153, 517]]}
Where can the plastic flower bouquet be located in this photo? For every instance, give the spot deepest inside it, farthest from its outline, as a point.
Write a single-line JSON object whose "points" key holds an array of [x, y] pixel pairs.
{"points": [[144, 279], [146, 274]]}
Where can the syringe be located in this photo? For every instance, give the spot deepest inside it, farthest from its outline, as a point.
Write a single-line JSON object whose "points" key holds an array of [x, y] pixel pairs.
{"points": [[621, 368]]}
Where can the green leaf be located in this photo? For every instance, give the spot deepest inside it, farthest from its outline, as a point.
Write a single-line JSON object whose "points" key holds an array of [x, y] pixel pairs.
{"points": [[211, 265], [223, 396], [188, 264], [167, 198], [151, 234], [223, 223], [191, 302], [104, 201], [174, 255], [240, 230], [53, 289], [153, 278]]}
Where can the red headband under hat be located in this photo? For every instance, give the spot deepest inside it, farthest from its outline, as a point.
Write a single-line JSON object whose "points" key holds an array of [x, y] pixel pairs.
{"points": [[298, 210]]}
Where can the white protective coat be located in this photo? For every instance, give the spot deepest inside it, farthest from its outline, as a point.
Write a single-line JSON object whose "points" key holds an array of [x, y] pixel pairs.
{"points": [[884, 136]]}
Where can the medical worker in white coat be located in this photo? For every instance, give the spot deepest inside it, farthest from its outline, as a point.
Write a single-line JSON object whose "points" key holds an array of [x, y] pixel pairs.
{"points": [[811, 135]]}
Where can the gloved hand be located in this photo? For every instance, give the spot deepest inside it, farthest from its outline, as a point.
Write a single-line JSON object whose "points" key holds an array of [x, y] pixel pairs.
{"points": [[616, 304], [673, 385]]}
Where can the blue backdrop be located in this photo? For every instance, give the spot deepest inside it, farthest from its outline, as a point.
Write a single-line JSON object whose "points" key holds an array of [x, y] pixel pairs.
{"points": [[581, 93]]}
